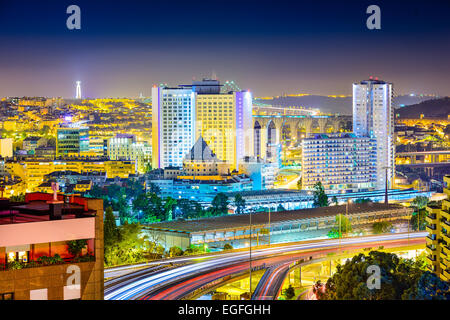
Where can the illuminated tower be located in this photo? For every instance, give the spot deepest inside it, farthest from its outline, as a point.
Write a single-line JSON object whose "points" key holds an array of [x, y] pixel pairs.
{"points": [[182, 115], [373, 116], [78, 93], [173, 116], [224, 120]]}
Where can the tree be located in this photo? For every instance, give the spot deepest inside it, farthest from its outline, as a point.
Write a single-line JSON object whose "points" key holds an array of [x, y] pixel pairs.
{"points": [[189, 208], [320, 197], [153, 188], [363, 200], [420, 202], [239, 202], [111, 233], [429, 287], [342, 225], [299, 184], [75, 247], [140, 203], [168, 208], [381, 227], [155, 207], [131, 246], [227, 246], [220, 204], [280, 208], [175, 251], [418, 221], [334, 200], [289, 293], [350, 280]]}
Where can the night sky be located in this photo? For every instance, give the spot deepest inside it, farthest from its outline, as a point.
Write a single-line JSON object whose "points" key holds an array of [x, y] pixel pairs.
{"points": [[269, 47]]}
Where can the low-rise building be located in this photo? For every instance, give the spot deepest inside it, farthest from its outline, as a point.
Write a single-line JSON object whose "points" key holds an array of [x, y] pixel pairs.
{"points": [[35, 260]]}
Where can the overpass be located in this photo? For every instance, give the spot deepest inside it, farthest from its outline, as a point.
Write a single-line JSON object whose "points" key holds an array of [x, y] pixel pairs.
{"points": [[179, 282], [426, 157]]}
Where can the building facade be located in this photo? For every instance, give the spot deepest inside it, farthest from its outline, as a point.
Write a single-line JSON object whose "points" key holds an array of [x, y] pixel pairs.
{"points": [[35, 262], [341, 162], [72, 140], [373, 116], [224, 120], [438, 239], [173, 131], [182, 115], [125, 147]]}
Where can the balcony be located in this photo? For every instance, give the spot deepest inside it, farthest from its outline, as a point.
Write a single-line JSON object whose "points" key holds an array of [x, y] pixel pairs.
{"points": [[446, 250], [431, 241], [446, 275], [431, 219], [432, 258], [49, 261], [35, 222], [445, 237], [432, 229]]}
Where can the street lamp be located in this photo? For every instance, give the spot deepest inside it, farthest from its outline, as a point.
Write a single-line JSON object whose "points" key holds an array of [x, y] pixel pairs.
{"points": [[269, 227], [386, 200], [250, 255]]}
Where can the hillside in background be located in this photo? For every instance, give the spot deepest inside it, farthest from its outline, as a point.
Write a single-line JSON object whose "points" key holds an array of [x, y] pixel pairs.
{"points": [[435, 108], [341, 105]]}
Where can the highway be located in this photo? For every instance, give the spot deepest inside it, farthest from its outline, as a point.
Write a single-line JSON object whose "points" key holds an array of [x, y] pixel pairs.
{"points": [[269, 288], [178, 281]]}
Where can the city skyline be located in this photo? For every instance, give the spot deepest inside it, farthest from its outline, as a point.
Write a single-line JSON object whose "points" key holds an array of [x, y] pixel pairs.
{"points": [[121, 50]]}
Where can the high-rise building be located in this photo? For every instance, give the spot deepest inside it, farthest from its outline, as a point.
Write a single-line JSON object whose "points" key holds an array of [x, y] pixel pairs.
{"points": [[78, 90], [173, 131], [373, 117], [180, 116], [72, 139], [341, 162], [438, 239], [224, 120]]}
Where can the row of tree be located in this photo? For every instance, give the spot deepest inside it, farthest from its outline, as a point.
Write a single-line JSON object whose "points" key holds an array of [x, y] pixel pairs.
{"points": [[399, 279], [134, 204]]}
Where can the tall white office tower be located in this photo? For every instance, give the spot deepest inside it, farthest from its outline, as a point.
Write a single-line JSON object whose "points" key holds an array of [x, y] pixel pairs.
{"points": [[173, 125], [78, 92], [373, 116]]}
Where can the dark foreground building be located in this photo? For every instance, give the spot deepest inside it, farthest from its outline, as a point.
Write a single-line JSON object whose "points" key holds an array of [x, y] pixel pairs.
{"points": [[36, 237]]}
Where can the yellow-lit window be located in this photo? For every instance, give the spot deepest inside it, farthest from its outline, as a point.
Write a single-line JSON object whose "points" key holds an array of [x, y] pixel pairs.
{"points": [[23, 256], [11, 256]]}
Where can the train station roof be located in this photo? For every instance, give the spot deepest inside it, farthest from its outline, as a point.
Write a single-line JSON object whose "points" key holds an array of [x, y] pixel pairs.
{"points": [[235, 221]]}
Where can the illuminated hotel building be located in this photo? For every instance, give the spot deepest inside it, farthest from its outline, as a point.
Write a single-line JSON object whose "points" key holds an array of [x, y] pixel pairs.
{"points": [[224, 120], [341, 162], [180, 116], [373, 117], [173, 116]]}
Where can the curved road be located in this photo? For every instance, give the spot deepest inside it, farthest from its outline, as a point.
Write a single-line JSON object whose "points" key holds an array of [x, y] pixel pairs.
{"points": [[179, 281]]}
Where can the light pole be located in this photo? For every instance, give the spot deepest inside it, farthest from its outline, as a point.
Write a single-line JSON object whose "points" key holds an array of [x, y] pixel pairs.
{"points": [[269, 227], [250, 255], [386, 200]]}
